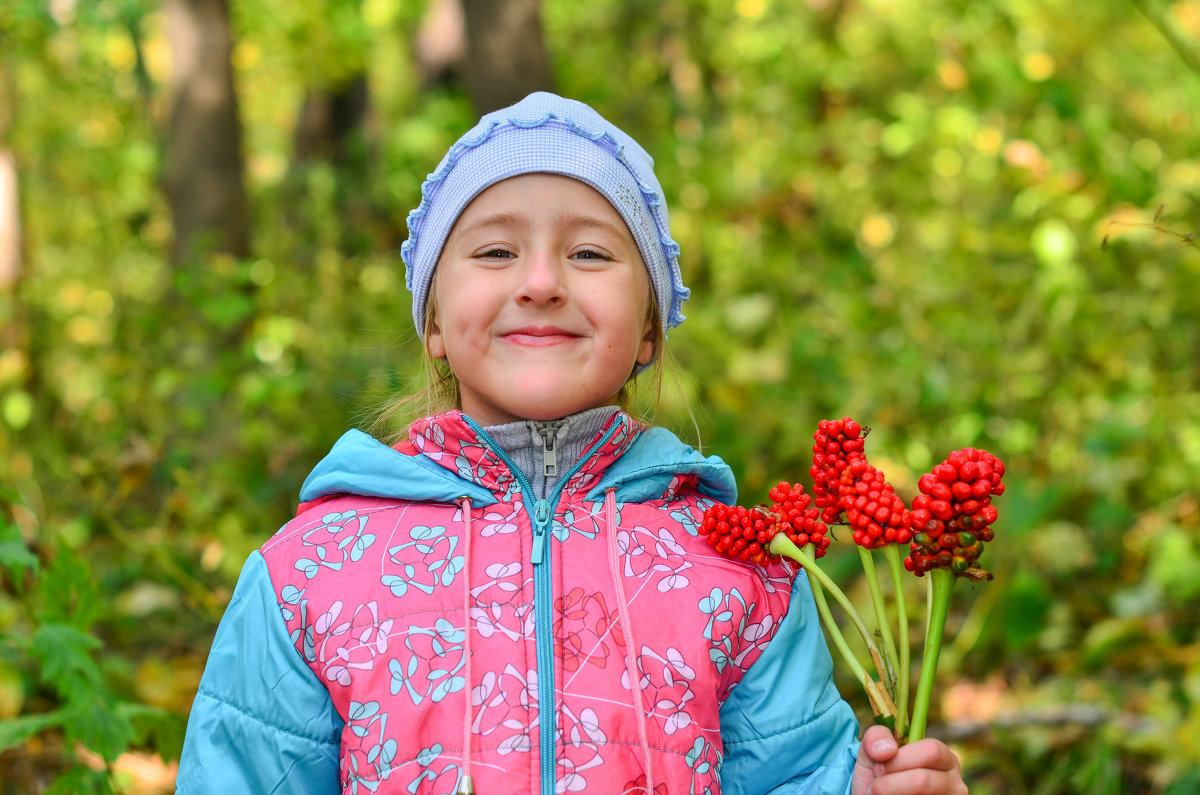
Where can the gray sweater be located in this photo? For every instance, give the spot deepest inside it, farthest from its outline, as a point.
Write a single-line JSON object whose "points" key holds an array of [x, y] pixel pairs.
{"points": [[545, 449]]}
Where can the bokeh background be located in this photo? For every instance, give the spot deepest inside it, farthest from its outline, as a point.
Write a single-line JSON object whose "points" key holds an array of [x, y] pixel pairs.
{"points": [[964, 223]]}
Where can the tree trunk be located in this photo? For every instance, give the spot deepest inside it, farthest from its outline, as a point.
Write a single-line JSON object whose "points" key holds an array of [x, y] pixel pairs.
{"points": [[10, 225], [441, 43], [204, 166], [328, 120], [506, 52], [11, 265], [10, 216]]}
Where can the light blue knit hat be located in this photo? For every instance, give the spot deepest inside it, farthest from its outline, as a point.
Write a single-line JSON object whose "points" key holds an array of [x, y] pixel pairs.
{"points": [[545, 133]]}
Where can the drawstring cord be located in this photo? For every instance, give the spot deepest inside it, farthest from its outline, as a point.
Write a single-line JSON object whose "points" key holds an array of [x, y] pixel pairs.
{"points": [[466, 786], [635, 680]]}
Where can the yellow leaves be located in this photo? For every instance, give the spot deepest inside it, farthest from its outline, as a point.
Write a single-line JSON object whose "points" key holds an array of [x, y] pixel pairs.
{"points": [[987, 140], [1038, 66], [751, 9], [877, 230], [13, 366], [952, 75], [246, 55], [119, 51]]}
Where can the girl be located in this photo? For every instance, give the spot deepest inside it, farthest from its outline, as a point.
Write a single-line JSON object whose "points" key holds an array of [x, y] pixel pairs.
{"points": [[515, 598]]}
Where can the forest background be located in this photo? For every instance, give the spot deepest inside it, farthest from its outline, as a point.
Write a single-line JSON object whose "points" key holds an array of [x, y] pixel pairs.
{"points": [[963, 223]]}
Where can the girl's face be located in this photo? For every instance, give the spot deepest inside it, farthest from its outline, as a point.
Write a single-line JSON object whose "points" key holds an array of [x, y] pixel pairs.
{"points": [[541, 301]]}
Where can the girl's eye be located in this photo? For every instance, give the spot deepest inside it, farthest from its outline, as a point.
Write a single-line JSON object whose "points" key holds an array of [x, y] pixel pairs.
{"points": [[496, 253], [590, 255]]}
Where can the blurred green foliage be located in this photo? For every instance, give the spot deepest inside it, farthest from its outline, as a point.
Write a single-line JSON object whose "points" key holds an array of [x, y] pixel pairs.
{"points": [[938, 217]]}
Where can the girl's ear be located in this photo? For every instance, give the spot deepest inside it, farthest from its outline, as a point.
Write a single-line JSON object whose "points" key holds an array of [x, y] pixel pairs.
{"points": [[435, 345], [649, 344]]}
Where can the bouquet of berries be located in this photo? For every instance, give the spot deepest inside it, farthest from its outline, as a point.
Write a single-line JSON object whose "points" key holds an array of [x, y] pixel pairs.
{"points": [[943, 530]]}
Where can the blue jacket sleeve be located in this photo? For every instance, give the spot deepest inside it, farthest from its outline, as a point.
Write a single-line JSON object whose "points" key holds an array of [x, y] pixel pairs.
{"points": [[262, 722], [785, 727]]}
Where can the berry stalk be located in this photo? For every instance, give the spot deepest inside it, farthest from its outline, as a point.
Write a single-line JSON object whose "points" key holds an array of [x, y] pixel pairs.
{"points": [[882, 704], [942, 583], [835, 633], [881, 618], [892, 554], [782, 545]]}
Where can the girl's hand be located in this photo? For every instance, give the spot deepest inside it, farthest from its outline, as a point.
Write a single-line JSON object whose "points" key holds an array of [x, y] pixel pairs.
{"points": [[926, 767]]}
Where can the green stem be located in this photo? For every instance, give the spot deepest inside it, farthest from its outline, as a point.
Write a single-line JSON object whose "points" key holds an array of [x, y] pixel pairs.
{"points": [[782, 545], [892, 553], [881, 617], [939, 608], [835, 632]]}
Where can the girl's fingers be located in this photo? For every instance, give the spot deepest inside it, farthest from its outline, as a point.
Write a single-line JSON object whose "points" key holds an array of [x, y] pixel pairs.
{"points": [[879, 744], [927, 754], [920, 781]]}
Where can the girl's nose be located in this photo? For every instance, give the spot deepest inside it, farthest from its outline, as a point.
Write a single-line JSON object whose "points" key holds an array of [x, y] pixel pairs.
{"points": [[542, 282]]}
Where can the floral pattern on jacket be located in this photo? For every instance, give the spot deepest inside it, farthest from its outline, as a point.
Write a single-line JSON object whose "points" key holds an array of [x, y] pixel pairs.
{"points": [[420, 618]]}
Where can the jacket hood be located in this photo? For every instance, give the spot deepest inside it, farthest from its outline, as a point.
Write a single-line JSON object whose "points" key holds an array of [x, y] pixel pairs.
{"points": [[360, 464]]}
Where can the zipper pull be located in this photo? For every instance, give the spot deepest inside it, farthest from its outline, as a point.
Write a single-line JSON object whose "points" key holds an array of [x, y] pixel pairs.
{"points": [[549, 433], [541, 523]]}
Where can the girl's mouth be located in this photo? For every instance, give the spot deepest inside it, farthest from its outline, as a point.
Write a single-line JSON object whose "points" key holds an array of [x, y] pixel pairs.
{"points": [[539, 336]]}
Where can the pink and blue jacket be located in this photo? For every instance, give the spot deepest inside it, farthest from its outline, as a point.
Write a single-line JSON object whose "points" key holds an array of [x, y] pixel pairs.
{"points": [[424, 617]]}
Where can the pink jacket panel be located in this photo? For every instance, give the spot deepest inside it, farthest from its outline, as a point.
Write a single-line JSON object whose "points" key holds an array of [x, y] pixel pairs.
{"points": [[419, 618]]}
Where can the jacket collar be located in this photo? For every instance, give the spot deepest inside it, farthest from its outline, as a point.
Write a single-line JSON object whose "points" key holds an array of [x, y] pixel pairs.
{"points": [[636, 464], [456, 443]]}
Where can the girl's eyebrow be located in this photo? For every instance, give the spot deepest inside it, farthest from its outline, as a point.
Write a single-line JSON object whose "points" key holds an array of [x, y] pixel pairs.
{"points": [[568, 219], [497, 219]]}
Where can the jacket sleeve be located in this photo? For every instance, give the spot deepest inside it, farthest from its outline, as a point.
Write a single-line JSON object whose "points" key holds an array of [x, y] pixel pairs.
{"points": [[785, 727], [262, 722]]}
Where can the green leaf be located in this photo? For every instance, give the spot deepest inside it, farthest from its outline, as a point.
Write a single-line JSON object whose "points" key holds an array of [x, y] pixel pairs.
{"points": [[15, 731], [1025, 608], [1175, 563], [66, 661], [80, 780], [66, 592], [99, 725], [15, 554], [1187, 783], [158, 728]]}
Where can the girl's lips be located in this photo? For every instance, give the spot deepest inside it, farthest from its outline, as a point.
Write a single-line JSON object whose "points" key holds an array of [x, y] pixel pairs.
{"points": [[538, 337]]}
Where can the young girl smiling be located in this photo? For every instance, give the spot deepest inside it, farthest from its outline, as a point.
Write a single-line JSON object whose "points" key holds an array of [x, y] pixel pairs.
{"points": [[515, 598]]}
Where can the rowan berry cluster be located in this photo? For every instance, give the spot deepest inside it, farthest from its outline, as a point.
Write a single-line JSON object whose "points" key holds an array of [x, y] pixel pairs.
{"points": [[950, 518], [797, 518], [843, 482], [740, 533], [945, 528], [745, 533], [837, 445], [875, 513]]}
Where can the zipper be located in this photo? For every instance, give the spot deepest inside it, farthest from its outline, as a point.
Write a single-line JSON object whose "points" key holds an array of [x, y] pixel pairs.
{"points": [[549, 432], [542, 515], [543, 602]]}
